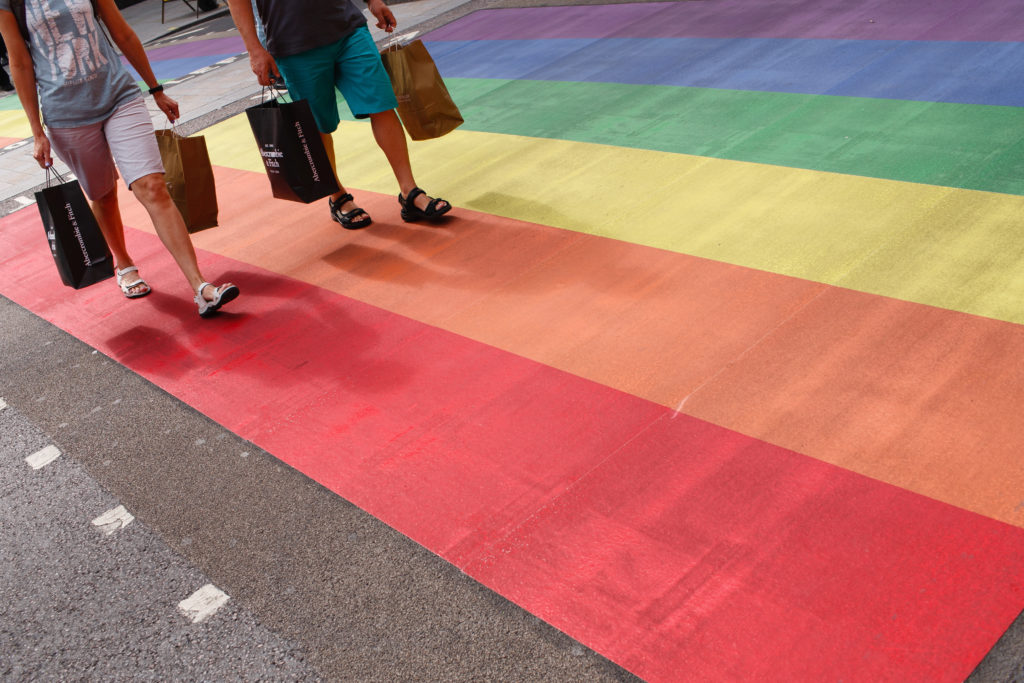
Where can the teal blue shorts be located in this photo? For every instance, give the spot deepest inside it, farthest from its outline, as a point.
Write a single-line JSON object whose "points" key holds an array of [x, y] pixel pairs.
{"points": [[353, 66]]}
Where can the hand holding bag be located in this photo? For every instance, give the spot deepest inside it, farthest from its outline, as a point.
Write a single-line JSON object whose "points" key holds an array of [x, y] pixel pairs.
{"points": [[293, 152], [424, 104], [189, 177], [77, 245]]}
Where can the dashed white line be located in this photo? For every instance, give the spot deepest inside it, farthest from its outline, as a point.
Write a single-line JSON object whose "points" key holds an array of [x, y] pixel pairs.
{"points": [[24, 201], [113, 520], [3, 404], [203, 603], [43, 457]]}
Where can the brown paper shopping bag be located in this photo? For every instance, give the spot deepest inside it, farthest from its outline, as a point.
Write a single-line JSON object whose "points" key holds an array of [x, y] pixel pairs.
{"points": [[189, 177], [424, 105]]}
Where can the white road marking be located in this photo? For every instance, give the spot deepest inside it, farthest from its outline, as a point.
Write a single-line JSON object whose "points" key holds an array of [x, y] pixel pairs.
{"points": [[113, 520], [3, 404], [203, 603], [24, 201], [43, 457]]}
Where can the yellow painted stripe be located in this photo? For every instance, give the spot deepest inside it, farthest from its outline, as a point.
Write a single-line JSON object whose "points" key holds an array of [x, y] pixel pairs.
{"points": [[14, 124], [946, 247]]}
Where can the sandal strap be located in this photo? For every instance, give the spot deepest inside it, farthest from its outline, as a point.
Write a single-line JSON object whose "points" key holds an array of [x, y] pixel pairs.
{"points": [[342, 199], [432, 206], [411, 197], [349, 215], [199, 290], [124, 271]]}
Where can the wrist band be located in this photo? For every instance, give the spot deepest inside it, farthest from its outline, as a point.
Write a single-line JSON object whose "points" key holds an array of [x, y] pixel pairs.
{"points": [[155, 89]]}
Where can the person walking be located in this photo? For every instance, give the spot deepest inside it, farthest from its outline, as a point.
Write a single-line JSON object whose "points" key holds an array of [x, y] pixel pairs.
{"points": [[96, 122], [318, 46]]}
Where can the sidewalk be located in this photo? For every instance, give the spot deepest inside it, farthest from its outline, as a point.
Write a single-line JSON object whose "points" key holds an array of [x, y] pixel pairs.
{"points": [[213, 93]]}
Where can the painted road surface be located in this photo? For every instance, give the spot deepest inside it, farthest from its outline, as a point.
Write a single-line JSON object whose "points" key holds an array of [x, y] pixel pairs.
{"points": [[716, 366]]}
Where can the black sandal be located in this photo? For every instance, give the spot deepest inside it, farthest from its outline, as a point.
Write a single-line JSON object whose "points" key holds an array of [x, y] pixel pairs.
{"points": [[412, 213], [350, 220]]}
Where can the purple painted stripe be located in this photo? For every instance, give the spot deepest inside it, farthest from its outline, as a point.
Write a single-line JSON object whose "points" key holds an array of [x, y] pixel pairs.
{"points": [[978, 20], [199, 48]]}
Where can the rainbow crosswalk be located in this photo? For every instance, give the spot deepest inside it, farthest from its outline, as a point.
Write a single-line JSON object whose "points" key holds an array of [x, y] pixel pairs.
{"points": [[717, 368]]}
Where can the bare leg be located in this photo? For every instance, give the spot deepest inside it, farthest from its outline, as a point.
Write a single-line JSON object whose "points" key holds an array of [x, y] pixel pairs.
{"points": [[108, 215], [390, 137], [170, 227]]}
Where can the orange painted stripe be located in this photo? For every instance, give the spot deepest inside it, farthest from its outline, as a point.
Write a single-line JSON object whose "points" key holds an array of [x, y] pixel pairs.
{"points": [[919, 397], [923, 397]]}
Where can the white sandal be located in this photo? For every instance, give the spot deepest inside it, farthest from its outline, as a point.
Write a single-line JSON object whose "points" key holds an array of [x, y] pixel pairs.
{"points": [[221, 295], [127, 287]]}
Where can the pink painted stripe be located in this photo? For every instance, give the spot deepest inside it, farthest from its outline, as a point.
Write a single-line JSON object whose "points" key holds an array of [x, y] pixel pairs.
{"points": [[198, 48], [665, 542]]}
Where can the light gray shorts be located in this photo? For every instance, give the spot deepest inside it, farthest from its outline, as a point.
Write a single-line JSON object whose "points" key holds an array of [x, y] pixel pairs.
{"points": [[126, 138]]}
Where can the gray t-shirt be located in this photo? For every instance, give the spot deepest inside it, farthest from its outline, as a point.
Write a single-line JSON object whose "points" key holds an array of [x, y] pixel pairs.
{"points": [[80, 77], [294, 26]]}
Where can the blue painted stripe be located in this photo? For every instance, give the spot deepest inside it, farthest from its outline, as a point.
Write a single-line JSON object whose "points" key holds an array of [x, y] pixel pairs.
{"points": [[962, 72]]}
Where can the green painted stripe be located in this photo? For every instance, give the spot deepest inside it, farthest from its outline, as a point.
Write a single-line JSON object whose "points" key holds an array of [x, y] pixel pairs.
{"points": [[955, 145], [10, 102]]}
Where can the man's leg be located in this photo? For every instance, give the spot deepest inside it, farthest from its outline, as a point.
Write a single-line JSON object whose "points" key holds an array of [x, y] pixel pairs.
{"points": [[343, 207], [390, 137], [310, 76], [328, 140], [367, 90]]}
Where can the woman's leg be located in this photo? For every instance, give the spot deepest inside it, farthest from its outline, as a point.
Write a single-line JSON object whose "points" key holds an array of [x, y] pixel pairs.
{"points": [[129, 134], [108, 215], [151, 191], [86, 152]]}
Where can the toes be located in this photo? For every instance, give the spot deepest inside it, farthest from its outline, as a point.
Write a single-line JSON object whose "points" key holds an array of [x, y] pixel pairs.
{"points": [[136, 287]]}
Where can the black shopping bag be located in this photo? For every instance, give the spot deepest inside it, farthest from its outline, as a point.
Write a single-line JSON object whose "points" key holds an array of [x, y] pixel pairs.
{"points": [[424, 104], [293, 153], [78, 247], [189, 177]]}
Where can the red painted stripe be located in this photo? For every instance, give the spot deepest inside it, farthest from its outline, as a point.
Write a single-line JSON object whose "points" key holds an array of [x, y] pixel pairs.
{"points": [[669, 544], [696, 553]]}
